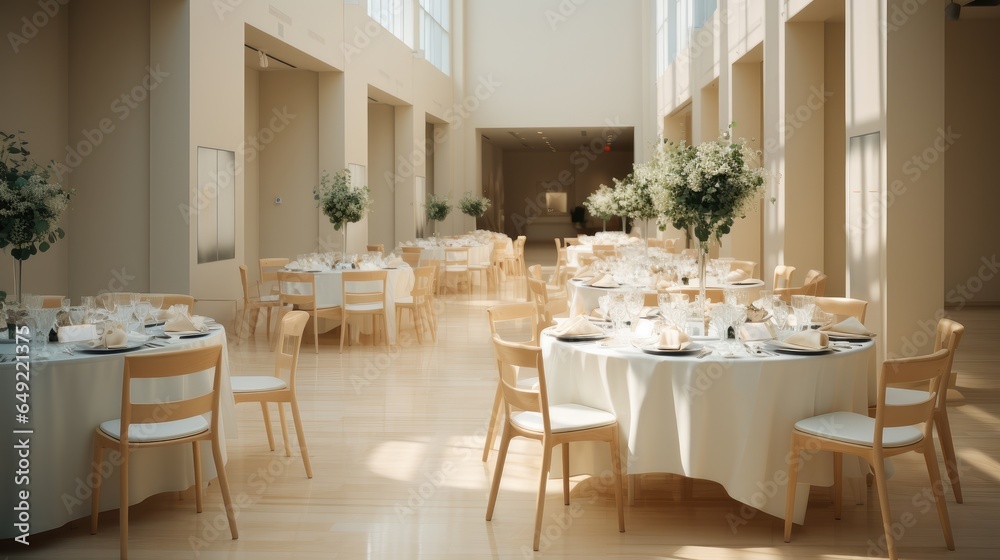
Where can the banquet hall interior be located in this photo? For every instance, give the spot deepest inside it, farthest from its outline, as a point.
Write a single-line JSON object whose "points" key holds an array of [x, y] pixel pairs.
{"points": [[198, 140]]}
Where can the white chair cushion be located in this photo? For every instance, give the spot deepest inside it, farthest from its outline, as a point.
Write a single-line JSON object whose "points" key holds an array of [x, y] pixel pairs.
{"points": [[899, 397], [857, 429], [564, 418], [256, 383], [273, 298], [157, 431], [364, 306]]}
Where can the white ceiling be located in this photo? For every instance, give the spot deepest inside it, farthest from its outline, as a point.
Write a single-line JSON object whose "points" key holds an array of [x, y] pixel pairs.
{"points": [[563, 139]]}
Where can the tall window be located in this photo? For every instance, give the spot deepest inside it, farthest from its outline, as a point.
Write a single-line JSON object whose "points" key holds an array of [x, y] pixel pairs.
{"points": [[435, 22], [393, 15], [674, 21]]}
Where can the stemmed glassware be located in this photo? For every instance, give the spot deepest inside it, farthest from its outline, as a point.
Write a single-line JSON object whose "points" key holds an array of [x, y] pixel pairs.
{"points": [[780, 310], [619, 314], [804, 307]]}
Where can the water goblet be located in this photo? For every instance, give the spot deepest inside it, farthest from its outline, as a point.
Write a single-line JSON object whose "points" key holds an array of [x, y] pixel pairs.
{"points": [[780, 310]]}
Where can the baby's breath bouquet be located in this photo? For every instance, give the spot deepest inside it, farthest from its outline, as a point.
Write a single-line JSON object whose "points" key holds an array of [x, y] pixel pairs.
{"points": [[438, 208], [602, 204], [30, 203], [634, 198], [341, 202], [472, 205]]}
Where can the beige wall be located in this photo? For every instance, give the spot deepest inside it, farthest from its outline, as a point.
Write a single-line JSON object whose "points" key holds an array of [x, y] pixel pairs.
{"points": [[251, 177], [381, 172], [526, 175], [834, 144], [35, 100], [972, 196], [289, 164]]}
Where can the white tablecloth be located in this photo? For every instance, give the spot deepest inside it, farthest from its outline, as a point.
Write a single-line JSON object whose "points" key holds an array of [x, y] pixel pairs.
{"points": [[70, 397], [583, 298], [725, 420], [329, 293], [478, 254]]}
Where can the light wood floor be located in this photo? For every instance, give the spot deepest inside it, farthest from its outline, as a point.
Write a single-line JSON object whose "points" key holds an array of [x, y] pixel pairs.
{"points": [[396, 440]]}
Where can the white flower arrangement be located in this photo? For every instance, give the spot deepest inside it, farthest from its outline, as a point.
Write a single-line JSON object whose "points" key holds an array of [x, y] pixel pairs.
{"points": [[602, 204], [472, 205], [634, 198], [705, 187], [341, 202], [438, 208]]}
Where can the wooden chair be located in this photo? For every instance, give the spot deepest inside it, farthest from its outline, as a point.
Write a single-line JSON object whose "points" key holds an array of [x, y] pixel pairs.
{"points": [[749, 267], [416, 250], [786, 293], [51, 302], [843, 307], [481, 271], [418, 303], [558, 244], [782, 277], [529, 414], [892, 432], [555, 291], [268, 269], [514, 261], [170, 300], [361, 298], [572, 241], [435, 288], [380, 248], [653, 242], [412, 259], [546, 305], [510, 322], [947, 336], [497, 260], [291, 286], [604, 251], [456, 263], [175, 422], [690, 253], [254, 304], [266, 389]]}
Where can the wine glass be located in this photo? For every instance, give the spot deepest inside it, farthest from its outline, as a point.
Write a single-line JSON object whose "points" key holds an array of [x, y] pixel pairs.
{"points": [[804, 306], [780, 310], [42, 320], [633, 303], [142, 309], [619, 315]]}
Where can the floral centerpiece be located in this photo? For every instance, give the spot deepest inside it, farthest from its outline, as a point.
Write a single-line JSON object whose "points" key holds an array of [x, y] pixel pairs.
{"points": [[472, 205], [704, 188], [602, 204], [438, 208], [31, 205], [634, 198], [342, 203]]}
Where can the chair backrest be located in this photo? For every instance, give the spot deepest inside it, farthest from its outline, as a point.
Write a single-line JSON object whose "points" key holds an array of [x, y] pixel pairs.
{"points": [[811, 276], [117, 297], [586, 258], [659, 243], [535, 271], [651, 299], [416, 250], [423, 282], [412, 259], [749, 267], [244, 282], [289, 343], [558, 244], [176, 299], [456, 257], [380, 248], [782, 276], [166, 365], [820, 283], [51, 302], [509, 318], [291, 286], [269, 268], [930, 369], [436, 265], [690, 253], [948, 335], [511, 356], [844, 307], [540, 295], [787, 293], [572, 241], [359, 287], [603, 251]]}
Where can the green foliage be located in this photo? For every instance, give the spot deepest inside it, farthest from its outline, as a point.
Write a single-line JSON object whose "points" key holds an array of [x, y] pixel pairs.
{"points": [[438, 208], [342, 203], [472, 205]]}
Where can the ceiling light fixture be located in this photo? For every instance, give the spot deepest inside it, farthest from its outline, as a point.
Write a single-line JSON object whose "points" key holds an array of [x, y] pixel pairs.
{"points": [[262, 56]]}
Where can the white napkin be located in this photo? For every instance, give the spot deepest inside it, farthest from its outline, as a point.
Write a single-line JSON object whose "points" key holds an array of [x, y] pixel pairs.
{"points": [[648, 312], [851, 325], [577, 326], [369, 266], [808, 340], [662, 283], [77, 333], [293, 265], [396, 262], [584, 272], [671, 338], [737, 275], [604, 281], [115, 336], [183, 323]]}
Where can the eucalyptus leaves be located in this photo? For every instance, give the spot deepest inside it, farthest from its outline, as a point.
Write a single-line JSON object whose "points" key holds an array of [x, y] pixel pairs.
{"points": [[341, 202], [472, 205], [438, 208], [30, 205]]}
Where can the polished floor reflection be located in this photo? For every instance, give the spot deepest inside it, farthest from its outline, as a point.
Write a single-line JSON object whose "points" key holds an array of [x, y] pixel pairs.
{"points": [[396, 438]]}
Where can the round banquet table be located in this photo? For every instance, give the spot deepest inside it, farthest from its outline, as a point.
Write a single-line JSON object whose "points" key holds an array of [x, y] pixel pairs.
{"points": [[583, 298], [719, 419], [330, 293], [69, 397]]}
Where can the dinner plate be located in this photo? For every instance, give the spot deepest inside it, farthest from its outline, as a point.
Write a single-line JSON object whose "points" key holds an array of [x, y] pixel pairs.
{"points": [[188, 334], [744, 283], [574, 337], [692, 348], [91, 350], [786, 349]]}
